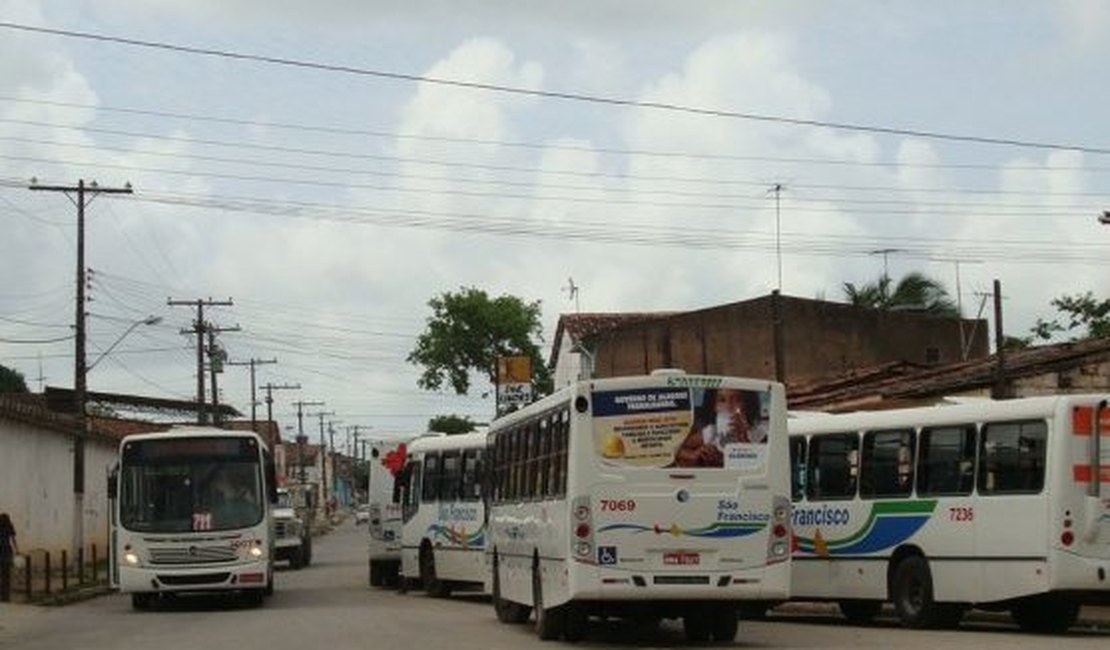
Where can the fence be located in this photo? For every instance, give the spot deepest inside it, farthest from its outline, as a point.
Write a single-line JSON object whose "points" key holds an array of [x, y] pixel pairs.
{"points": [[41, 574]]}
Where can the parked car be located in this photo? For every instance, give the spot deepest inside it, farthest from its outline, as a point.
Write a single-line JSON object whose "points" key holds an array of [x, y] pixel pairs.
{"points": [[362, 514]]}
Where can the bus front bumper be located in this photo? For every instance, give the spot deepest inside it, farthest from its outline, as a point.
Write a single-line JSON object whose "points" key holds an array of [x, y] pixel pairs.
{"points": [[247, 575]]}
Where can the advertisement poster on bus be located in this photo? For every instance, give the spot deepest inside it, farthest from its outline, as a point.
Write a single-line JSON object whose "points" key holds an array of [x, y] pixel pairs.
{"points": [[681, 427]]}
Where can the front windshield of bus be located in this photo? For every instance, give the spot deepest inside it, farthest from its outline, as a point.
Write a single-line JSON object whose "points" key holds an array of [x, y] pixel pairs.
{"points": [[661, 426], [190, 484]]}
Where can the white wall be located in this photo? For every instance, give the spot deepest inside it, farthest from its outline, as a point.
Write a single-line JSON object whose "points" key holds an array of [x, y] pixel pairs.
{"points": [[36, 486], [569, 364]]}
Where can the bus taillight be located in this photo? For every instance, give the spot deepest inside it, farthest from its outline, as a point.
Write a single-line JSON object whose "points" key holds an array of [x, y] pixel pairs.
{"points": [[582, 530]]}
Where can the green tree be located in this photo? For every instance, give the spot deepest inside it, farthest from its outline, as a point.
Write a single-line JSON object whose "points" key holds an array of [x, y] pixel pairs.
{"points": [[1080, 312], [11, 381], [451, 424], [468, 331], [915, 290]]}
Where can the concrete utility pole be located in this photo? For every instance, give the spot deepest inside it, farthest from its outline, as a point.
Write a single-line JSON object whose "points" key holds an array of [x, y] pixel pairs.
{"points": [[331, 445], [301, 438], [270, 388], [999, 391], [199, 328], [254, 401], [84, 195], [323, 458], [216, 358], [777, 189]]}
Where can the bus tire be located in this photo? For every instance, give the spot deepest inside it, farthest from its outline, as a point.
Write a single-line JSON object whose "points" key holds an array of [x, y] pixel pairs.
{"points": [[755, 610], [550, 622], [296, 559], [376, 578], [575, 622], [697, 624], [1047, 614], [141, 602], [432, 585], [860, 612], [306, 551], [269, 589], [912, 593], [252, 597], [725, 624]]}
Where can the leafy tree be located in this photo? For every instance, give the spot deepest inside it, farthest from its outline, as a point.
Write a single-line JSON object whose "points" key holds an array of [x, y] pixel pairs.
{"points": [[915, 290], [468, 331], [11, 381], [451, 424], [1081, 312]]}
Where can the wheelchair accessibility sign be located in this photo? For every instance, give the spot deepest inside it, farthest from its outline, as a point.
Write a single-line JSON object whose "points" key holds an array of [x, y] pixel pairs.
{"points": [[607, 555]]}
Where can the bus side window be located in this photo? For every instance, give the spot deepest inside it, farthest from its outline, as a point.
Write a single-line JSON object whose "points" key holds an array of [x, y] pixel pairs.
{"points": [[562, 440], [946, 463], [1012, 457], [543, 465], [430, 489], [833, 466], [797, 467], [887, 467]]}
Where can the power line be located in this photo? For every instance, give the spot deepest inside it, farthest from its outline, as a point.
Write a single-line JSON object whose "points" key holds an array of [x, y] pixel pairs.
{"points": [[551, 94]]}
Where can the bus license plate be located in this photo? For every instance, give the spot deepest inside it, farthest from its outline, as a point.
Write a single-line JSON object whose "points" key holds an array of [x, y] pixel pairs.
{"points": [[681, 558]]}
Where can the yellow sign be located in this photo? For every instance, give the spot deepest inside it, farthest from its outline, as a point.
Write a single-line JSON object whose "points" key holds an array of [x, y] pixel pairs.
{"points": [[514, 370]]}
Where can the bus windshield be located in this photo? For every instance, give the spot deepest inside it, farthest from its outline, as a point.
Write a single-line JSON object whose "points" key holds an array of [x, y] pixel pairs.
{"points": [[681, 427], [201, 484]]}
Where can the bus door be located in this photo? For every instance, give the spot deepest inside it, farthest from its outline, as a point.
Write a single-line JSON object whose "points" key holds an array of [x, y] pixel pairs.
{"points": [[113, 527]]}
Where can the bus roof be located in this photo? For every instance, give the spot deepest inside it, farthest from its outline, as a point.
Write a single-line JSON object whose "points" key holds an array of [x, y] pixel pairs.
{"points": [[443, 442], [945, 413], [193, 430]]}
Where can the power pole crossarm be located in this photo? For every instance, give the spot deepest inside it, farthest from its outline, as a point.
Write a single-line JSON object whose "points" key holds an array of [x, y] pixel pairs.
{"points": [[254, 400]]}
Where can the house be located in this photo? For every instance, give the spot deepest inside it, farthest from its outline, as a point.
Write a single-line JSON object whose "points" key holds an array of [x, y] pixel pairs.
{"points": [[817, 340], [1074, 367]]}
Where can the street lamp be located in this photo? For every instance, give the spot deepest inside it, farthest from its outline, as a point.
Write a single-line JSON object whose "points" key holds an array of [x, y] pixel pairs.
{"points": [[149, 320]]}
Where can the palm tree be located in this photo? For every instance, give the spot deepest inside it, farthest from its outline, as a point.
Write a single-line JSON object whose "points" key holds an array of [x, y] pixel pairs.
{"points": [[914, 291]]}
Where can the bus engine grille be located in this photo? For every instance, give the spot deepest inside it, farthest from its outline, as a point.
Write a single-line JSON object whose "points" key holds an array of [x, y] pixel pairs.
{"points": [[191, 555]]}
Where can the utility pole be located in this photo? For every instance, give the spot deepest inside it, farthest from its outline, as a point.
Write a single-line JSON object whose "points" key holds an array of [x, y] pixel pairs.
{"points": [[84, 196], [777, 188], [216, 358], [1000, 391], [885, 252], [199, 328], [959, 300], [270, 388], [301, 438], [331, 445], [324, 459], [254, 401]]}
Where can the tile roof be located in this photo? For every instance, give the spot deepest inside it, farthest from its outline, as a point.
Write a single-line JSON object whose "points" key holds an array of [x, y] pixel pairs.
{"points": [[894, 382], [584, 325]]}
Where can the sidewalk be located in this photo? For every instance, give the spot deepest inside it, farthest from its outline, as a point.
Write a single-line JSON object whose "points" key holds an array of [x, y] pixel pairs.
{"points": [[14, 616]]}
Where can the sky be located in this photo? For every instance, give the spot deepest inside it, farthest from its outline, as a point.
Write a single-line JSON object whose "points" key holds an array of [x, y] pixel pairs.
{"points": [[365, 156]]}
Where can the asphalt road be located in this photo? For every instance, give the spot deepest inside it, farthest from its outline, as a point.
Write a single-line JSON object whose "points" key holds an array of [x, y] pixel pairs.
{"points": [[329, 606]]}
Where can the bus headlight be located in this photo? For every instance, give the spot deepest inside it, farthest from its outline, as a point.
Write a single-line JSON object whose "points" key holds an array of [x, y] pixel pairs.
{"points": [[131, 558], [256, 549], [778, 549]]}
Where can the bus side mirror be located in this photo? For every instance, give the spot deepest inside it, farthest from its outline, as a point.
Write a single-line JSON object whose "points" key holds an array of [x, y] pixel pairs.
{"points": [[113, 485]]}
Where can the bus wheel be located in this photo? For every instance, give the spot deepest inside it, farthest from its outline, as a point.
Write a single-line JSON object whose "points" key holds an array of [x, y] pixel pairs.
{"points": [[725, 623], [697, 624], [376, 578], [269, 589], [1048, 614], [296, 558], [912, 593], [252, 597], [141, 601], [575, 622], [860, 612], [549, 621], [434, 587], [755, 610]]}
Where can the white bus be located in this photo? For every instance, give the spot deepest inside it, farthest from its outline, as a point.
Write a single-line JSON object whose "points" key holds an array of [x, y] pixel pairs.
{"points": [[383, 497], [443, 534], [992, 504], [651, 497], [191, 513]]}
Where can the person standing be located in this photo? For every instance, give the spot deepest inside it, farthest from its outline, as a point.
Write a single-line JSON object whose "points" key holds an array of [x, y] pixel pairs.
{"points": [[8, 551]]}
